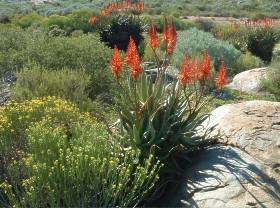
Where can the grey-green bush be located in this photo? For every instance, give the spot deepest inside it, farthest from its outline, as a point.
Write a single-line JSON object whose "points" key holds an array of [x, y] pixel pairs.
{"points": [[193, 42]]}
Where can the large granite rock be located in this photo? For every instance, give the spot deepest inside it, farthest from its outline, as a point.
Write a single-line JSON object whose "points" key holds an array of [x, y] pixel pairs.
{"points": [[244, 171], [253, 126], [227, 177], [248, 81]]}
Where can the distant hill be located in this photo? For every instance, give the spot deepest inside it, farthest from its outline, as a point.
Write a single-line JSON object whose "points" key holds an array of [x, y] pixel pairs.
{"points": [[234, 8]]}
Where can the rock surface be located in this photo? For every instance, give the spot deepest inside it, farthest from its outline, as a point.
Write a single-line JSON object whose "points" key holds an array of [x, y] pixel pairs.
{"points": [[253, 126], [6, 82], [4, 93], [38, 2], [227, 177], [245, 170], [248, 81]]}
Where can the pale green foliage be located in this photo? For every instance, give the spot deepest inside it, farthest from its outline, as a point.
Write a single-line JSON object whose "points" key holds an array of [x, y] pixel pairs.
{"points": [[193, 42]]}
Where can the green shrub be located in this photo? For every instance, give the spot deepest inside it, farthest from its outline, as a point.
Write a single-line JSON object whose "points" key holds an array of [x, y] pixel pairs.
{"points": [[193, 42], [54, 31], [258, 16], [78, 53], [78, 20], [13, 41], [205, 25], [245, 62], [272, 81], [261, 41], [61, 21], [237, 37], [159, 22], [27, 20], [77, 33], [36, 81], [69, 160]]}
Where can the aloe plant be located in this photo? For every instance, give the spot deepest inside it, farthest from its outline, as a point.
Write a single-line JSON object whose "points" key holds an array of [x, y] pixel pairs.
{"points": [[162, 118]]}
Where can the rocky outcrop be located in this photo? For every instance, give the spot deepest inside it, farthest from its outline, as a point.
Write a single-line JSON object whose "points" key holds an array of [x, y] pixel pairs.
{"points": [[227, 177], [253, 126], [248, 81], [244, 170]]}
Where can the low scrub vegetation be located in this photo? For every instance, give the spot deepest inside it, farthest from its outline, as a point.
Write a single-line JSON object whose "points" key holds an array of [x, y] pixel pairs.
{"points": [[89, 124]]}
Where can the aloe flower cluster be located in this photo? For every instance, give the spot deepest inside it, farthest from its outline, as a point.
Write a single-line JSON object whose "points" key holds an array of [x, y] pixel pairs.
{"points": [[111, 7], [267, 22]]}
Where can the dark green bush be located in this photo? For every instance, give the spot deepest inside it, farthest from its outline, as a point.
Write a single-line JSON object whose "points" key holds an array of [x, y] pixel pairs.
{"points": [[261, 41], [119, 30], [4, 19]]}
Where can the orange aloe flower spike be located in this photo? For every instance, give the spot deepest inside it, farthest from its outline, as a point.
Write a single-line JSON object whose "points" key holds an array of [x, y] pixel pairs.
{"points": [[133, 59], [185, 73], [92, 19], [116, 63], [194, 75], [204, 68], [165, 31], [221, 79], [171, 41], [153, 37], [130, 51]]}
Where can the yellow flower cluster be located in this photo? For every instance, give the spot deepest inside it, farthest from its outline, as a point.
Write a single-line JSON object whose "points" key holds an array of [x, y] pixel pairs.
{"points": [[18, 115]]}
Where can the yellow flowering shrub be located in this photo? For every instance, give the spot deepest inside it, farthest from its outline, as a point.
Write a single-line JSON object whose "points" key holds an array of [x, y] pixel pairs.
{"points": [[55, 156], [78, 166], [16, 117]]}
